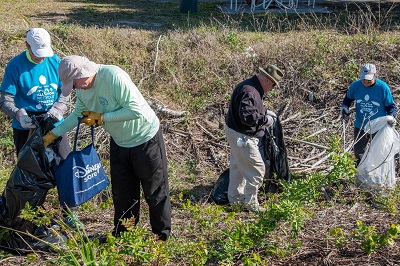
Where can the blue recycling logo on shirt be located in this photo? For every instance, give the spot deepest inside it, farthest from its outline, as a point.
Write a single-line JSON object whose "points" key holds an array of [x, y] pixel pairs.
{"points": [[44, 93], [103, 101], [367, 107]]}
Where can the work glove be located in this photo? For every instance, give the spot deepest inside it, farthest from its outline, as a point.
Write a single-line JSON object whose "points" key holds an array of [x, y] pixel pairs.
{"points": [[272, 115], [391, 120], [92, 118], [241, 141], [57, 111], [345, 112], [49, 138], [24, 119]]}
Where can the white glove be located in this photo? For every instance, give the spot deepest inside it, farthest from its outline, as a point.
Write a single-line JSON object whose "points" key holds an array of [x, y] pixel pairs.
{"points": [[57, 110], [241, 142], [23, 117], [272, 114], [272, 117], [391, 120]]}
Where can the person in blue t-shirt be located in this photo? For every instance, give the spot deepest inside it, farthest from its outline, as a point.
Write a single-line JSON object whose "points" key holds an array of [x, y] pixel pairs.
{"points": [[31, 86], [373, 99]]}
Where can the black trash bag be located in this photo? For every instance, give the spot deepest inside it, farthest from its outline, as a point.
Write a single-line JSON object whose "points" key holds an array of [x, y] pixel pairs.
{"points": [[50, 238], [276, 162], [29, 182], [219, 193], [3, 210]]}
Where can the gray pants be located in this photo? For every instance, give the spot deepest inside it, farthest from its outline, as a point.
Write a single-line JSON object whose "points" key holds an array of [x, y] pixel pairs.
{"points": [[247, 168]]}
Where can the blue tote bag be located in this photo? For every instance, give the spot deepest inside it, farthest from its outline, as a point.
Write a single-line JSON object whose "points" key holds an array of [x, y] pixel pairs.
{"points": [[80, 176]]}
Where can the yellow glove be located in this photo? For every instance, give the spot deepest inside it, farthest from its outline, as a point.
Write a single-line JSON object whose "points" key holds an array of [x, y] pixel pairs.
{"points": [[91, 118], [49, 138]]}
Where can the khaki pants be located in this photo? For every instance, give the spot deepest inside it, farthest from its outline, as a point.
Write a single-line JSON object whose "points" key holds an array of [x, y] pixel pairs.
{"points": [[247, 168]]}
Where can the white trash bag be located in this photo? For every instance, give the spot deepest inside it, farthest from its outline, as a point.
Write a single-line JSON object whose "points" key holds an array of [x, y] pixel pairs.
{"points": [[377, 166]]}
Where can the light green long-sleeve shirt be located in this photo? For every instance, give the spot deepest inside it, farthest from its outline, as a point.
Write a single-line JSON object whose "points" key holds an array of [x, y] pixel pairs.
{"points": [[127, 116]]}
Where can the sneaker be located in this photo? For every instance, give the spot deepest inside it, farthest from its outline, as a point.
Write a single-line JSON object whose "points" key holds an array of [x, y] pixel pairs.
{"points": [[241, 206], [254, 208], [237, 206], [101, 237], [73, 222]]}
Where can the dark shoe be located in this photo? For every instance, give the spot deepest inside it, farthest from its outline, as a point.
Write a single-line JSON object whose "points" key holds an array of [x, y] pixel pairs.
{"points": [[101, 237]]}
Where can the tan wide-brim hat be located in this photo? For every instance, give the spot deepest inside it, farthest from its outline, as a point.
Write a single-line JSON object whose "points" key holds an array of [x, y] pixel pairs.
{"points": [[273, 72]]}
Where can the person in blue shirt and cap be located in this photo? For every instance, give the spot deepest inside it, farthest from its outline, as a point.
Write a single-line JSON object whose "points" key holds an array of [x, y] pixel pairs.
{"points": [[31, 86], [373, 99]]}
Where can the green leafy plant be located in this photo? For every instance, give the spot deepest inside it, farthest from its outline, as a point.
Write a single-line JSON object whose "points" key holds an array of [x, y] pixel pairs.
{"points": [[253, 260], [339, 236], [274, 249], [84, 250], [190, 252], [38, 215], [371, 241], [390, 201], [31, 258]]}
